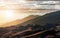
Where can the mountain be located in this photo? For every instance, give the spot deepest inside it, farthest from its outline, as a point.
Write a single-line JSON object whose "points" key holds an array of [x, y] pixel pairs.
{"points": [[53, 17], [18, 21]]}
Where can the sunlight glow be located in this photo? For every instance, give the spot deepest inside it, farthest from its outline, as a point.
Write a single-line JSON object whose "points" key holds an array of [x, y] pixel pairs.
{"points": [[9, 13], [9, 16]]}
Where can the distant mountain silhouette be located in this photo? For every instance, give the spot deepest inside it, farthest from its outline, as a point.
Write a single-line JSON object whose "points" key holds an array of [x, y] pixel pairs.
{"points": [[20, 21], [53, 17]]}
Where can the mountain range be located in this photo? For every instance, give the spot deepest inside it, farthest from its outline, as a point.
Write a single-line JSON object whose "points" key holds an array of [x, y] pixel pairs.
{"points": [[52, 18], [29, 25]]}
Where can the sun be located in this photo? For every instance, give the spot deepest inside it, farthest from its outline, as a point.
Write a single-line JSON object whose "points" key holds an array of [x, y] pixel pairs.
{"points": [[9, 13], [9, 16]]}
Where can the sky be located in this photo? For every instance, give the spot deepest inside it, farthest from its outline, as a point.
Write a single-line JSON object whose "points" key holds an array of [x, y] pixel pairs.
{"points": [[7, 13], [10, 10]]}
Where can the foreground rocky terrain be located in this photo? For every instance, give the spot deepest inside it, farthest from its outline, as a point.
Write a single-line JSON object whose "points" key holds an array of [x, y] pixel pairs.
{"points": [[31, 31]]}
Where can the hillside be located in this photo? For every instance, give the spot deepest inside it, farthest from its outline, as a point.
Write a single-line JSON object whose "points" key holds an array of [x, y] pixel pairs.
{"points": [[53, 17], [18, 21]]}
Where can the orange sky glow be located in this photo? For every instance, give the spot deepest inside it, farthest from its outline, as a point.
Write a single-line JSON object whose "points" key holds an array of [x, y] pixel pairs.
{"points": [[10, 10], [7, 13]]}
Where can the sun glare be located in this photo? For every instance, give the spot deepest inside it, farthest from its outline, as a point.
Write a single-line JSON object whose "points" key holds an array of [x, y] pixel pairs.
{"points": [[7, 13], [10, 15]]}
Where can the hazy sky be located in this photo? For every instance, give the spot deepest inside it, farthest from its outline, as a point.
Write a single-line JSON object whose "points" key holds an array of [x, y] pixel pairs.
{"points": [[8, 10]]}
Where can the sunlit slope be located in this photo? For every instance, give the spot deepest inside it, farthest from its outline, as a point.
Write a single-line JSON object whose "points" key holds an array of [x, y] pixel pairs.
{"points": [[13, 23], [53, 17]]}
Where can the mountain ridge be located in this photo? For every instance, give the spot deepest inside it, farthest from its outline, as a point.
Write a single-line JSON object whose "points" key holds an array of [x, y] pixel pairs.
{"points": [[20, 21]]}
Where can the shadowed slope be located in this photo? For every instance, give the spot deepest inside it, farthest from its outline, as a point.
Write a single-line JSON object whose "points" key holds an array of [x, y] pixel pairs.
{"points": [[53, 17]]}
